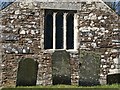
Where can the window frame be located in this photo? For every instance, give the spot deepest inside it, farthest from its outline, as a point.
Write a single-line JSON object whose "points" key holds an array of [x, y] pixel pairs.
{"points": [[75, 29]]}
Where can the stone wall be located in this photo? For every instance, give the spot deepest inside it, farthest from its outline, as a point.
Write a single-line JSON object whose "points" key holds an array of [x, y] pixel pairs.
{"points": [[23, 37], [98, 27], [0, 55]]}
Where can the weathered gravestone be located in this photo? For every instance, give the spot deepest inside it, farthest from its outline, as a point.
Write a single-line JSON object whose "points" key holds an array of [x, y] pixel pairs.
{"points": [[89, 69], [61, 73], [27, 72]]}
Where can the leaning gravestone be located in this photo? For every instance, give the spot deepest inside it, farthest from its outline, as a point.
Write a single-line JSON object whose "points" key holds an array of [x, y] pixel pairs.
{"points": [[27, 72], [61, 73], [90, 68]]}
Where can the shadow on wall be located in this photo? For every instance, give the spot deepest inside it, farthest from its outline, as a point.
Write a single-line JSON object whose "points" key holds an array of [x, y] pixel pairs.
{"points": [[27, 72]]}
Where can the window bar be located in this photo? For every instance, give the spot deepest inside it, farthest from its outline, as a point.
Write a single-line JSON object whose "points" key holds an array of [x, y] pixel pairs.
{"points": [[75, 31], [54, 30], [65, 30]]}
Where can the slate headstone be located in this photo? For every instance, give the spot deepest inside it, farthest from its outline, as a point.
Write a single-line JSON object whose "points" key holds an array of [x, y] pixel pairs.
{"points": [[61, 73], [27, 72], [90, 69]]}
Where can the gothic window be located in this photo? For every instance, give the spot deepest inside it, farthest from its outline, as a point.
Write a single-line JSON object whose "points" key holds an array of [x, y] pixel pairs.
{"points": [[60, 29]]}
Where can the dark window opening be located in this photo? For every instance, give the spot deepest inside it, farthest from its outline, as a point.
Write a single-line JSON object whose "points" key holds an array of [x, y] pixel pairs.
{"points": [[59, 31], [48, 32], [70, 31]]}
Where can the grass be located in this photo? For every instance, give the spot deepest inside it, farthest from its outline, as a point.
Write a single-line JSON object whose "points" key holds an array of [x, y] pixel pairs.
{"points": [[68, 87], [72, 86]]}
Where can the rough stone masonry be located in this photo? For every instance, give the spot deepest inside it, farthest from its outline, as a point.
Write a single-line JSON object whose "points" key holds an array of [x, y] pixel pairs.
{"points": [[22, 36]]}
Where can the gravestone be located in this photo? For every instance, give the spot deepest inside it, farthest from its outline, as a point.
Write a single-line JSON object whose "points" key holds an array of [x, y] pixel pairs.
{"points": [[27, 72], [113, 78], [89, 69], [61, 73]]}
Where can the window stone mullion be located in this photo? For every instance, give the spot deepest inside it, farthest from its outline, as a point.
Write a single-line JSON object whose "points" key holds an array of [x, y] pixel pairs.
{"points": [[65, 29], [54, 30]]}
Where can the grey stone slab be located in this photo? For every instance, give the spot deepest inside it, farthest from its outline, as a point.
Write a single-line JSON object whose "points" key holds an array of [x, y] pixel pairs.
{"points": [[27, 72], [89, 69], [61, 68], [61, 5]]}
